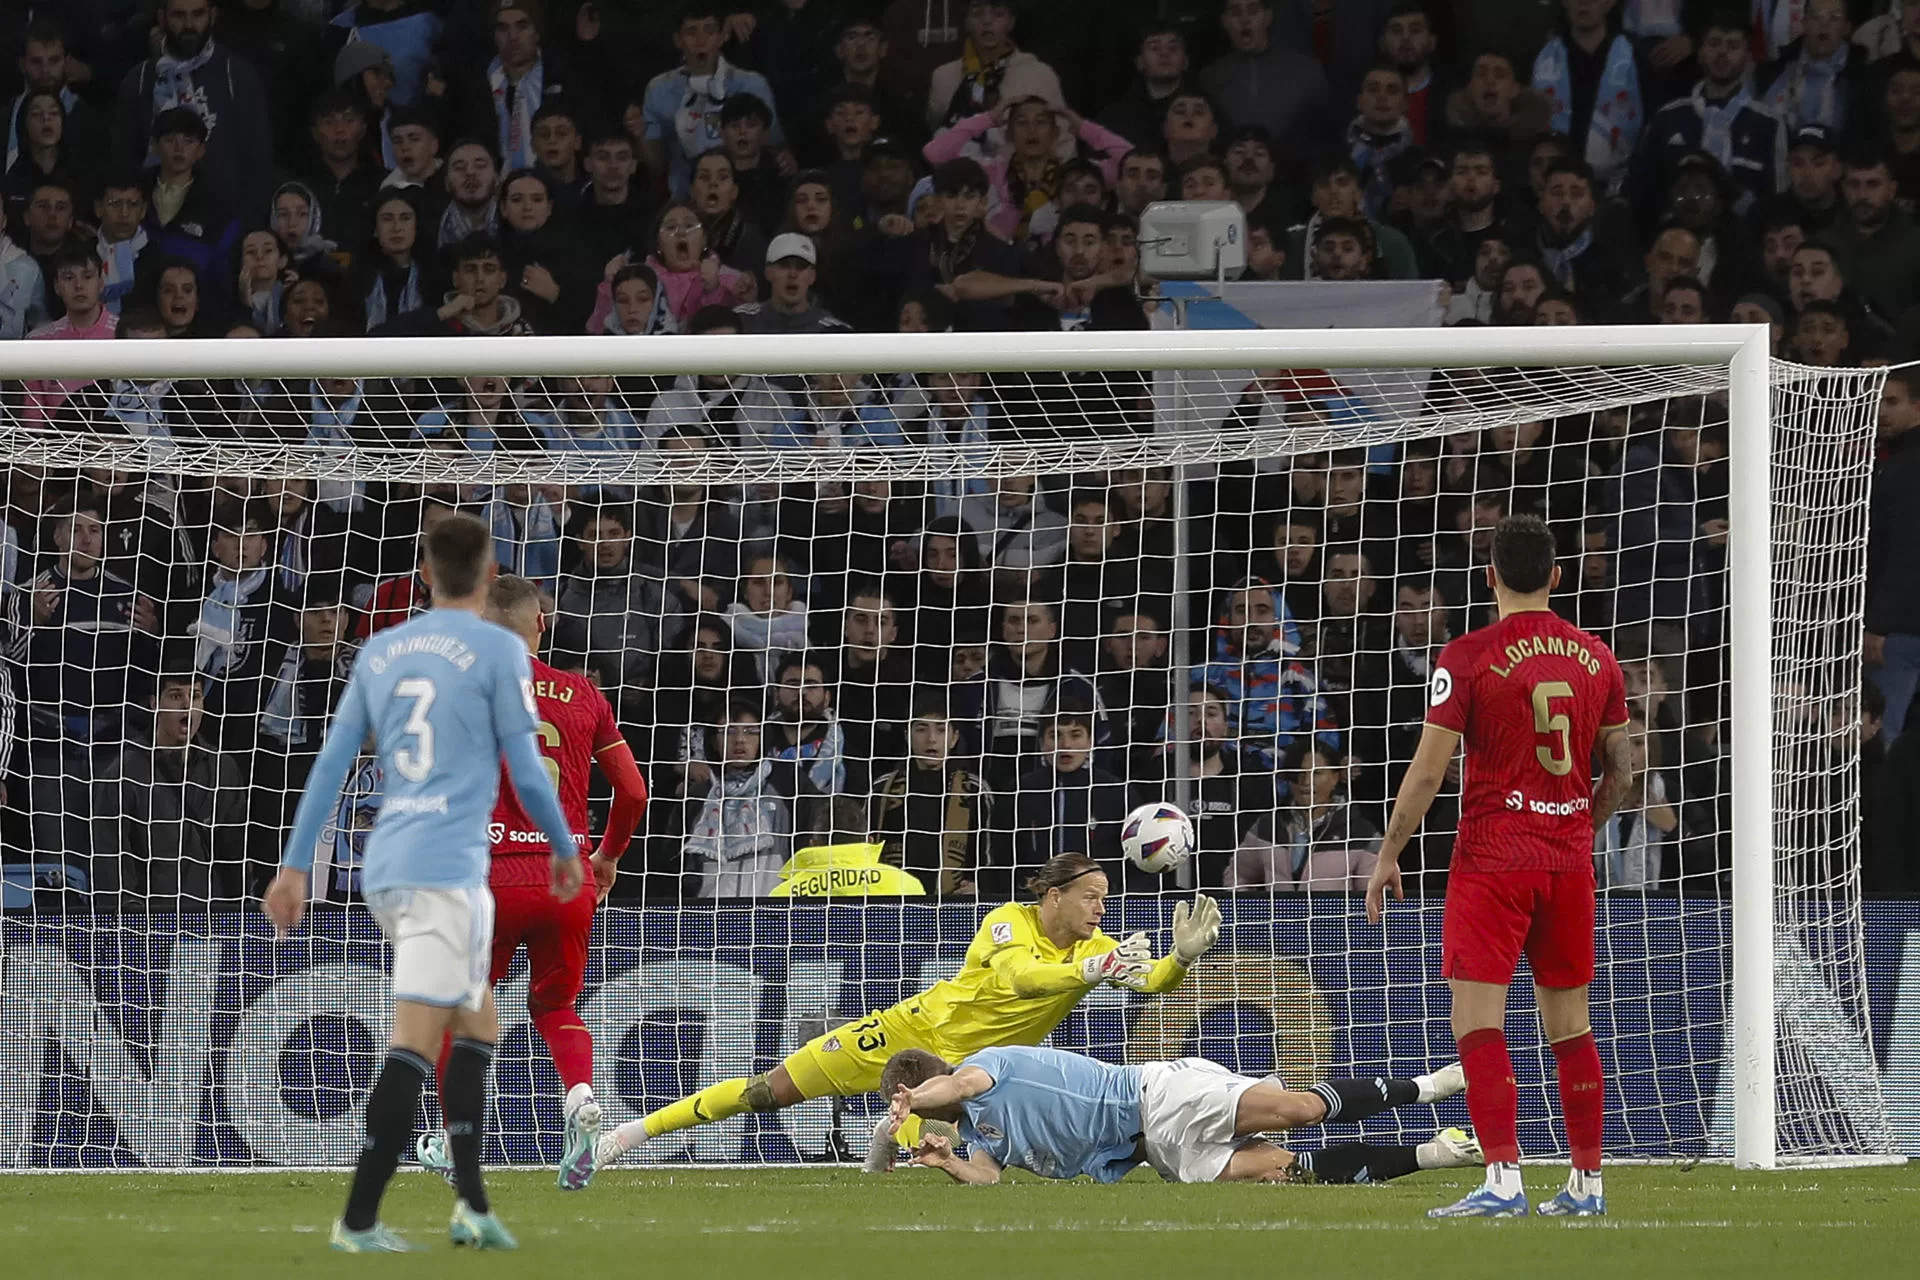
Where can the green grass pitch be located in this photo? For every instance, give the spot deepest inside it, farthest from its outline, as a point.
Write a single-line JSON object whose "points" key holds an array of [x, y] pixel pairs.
{"points": [[789, 1224]]}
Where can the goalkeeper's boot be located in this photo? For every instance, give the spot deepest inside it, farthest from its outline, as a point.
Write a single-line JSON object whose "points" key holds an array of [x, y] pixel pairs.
{"points": [[1457, 1149], [431, 1151], [1482, 1202], [1444, 1083], [478, 1230], [375, 1239], [607, 1150], [1568, 1205], [583, 1131]]}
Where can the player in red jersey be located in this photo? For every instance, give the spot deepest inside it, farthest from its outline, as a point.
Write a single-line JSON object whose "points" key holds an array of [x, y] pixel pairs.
{"points": [[576, 729], [1533, 697]]}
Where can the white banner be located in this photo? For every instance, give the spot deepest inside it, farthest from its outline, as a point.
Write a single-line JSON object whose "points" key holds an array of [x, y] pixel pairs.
{"points": [[1299, 304]]}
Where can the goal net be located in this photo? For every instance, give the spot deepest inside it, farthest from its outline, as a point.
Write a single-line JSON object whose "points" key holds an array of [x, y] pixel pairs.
{"points": [[942, 606]]}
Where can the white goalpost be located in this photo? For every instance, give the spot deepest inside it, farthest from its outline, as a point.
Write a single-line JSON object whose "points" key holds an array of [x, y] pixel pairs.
{"points": [[999, 530]]}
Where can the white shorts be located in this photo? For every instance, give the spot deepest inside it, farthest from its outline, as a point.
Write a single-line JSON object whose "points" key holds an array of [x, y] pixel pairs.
{"points": [[442, 943], [1187, 1110]]}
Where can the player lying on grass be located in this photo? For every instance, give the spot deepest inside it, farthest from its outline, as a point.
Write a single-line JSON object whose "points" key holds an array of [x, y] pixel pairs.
{"points": [[1060, 1115], [446, 696], [1532, 696], [1027, 967], [576, 728]]}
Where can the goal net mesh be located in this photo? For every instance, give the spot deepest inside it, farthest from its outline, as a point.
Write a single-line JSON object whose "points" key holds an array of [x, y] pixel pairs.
{"points": [[969, 619]]}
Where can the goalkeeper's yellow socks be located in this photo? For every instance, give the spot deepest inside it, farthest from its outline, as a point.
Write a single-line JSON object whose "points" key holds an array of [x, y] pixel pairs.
{"points": [[715, 1102]]}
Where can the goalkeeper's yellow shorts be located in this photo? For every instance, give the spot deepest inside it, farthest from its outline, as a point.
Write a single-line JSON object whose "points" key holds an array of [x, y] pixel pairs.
{"points": [[847, 1060]]}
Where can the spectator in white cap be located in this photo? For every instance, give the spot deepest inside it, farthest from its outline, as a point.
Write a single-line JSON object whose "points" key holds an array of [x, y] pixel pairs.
{"points": [[792, 266]]}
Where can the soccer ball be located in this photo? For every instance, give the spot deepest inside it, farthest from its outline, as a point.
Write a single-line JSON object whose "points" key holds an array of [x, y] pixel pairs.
{"points": [[1157, 838]]}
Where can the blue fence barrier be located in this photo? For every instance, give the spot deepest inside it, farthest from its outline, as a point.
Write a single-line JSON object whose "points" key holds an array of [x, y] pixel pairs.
{"points": [[199, 1040]]}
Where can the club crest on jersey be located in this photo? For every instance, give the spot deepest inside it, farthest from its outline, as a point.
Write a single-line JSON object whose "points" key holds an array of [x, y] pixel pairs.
{"points": [[1002, 932], [832, 1044], [1442, 688]]}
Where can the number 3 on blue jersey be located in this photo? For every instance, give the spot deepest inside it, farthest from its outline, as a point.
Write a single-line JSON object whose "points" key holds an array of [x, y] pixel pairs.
{"points": [[416, 762]]}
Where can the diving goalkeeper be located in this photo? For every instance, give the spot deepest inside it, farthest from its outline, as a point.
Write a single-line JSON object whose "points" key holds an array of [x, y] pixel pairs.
{"points": [[1061, 1115], [1026, 969]]}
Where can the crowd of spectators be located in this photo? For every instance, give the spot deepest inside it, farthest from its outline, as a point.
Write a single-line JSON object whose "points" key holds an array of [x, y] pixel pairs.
{"points": [[975, 674]]}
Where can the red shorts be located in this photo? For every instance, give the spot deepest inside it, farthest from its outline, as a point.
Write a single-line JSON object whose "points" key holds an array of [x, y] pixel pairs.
{"points": [[556, 935], [1492, 917]]}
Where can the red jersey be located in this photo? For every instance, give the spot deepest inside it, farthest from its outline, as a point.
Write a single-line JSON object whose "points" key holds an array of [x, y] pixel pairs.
{"points": [[1530, 694], [576, 722], [394, 601]]}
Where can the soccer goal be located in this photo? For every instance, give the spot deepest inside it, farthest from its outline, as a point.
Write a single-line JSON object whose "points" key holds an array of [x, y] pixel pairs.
{"points": [[894, 618]]}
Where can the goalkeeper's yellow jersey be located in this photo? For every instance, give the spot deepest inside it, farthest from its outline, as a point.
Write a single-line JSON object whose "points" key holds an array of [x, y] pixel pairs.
{"points": [[1015, 986]]}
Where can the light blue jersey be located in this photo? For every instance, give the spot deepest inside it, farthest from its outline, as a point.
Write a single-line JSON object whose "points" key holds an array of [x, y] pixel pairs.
{"points": [[445, 695], [1058, 1114]]}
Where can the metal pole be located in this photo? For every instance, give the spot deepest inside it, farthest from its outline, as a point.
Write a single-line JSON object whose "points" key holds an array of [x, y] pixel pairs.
{"points": [[1180, 674], [553, 355], [1750, 598]]}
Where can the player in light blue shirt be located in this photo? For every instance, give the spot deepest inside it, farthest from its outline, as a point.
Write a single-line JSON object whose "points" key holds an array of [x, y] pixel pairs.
{"points": [[1057, 1114], [1062, 1115], [445, 696]]}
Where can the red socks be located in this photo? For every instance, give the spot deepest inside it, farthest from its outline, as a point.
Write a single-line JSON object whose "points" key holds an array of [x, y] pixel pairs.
{"points": [[570, 1044], [1493, 1100], [1583, 1096], [568, 1040]]}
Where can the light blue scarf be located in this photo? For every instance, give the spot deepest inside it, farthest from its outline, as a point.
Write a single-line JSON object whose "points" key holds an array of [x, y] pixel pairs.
{"points": [[327, 425], [453, 224], [1652, 18], [377, 313], [1371, 156], [276, 716], [140, 405], [965, 435], [1716, 122], [1560, 261], [526, 539], [1618, 113], [117, 261], [659, 320], [513, 107], [218, 644], [1808, 92], [173, 86], [266, 308], [618, 430], [293, 560]]}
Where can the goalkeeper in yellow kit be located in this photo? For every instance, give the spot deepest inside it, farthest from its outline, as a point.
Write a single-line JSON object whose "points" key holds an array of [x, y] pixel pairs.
{"points": [[1026, 969]]}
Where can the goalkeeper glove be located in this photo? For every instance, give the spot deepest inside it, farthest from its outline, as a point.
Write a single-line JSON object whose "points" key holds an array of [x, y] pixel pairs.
{"points": [[1138, 952], [1130, 960], [1195, 929]]}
